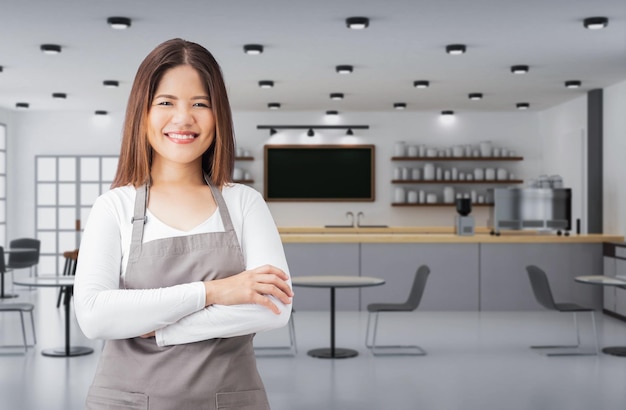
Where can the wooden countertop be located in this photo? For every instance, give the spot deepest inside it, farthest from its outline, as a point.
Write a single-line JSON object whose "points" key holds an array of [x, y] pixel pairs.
{"points": [[406, 234]]}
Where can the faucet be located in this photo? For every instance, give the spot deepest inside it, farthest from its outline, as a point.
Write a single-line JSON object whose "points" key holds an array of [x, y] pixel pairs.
{"points": [[351, 215], [358, 218]]}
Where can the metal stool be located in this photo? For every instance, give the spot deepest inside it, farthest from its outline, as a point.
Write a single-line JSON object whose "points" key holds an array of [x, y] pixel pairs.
{"points": [[21, 308]]}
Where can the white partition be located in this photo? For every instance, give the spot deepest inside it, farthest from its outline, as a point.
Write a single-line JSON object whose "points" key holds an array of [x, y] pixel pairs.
{"points": [[3, 185]]}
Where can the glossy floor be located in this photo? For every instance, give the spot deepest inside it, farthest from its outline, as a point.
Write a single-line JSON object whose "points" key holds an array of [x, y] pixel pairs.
{"points": [[475, 361]]}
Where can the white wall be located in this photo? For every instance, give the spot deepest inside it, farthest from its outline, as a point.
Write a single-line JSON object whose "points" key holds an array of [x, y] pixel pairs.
{"points": [[614, 152]]}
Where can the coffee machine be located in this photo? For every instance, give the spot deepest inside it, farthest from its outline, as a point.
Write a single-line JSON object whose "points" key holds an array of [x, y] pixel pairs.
{"points": [[464, 222]]}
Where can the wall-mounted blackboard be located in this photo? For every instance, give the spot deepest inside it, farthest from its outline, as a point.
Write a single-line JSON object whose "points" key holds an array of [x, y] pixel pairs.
{"points": [[319, 172]]}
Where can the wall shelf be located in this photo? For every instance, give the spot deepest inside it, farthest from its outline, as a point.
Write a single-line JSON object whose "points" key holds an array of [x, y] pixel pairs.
{"points": [[442, 204], [457, 158], [244, 158], [421, 181]]}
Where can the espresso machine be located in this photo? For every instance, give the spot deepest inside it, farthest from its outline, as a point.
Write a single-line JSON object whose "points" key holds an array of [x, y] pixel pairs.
{"points": [[464, 221]]}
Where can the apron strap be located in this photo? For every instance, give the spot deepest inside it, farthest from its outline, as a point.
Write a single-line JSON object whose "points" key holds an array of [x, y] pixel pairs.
{"points": [[221, 206], [138, 220]]}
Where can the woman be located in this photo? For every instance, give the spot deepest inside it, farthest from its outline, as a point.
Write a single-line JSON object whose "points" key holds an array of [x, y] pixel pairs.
{"points": [[178, 266]]}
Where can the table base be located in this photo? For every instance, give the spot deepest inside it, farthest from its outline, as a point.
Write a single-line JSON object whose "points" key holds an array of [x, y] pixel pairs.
{"points": [[8, 296], [326, 353], [74, 351], [615, 351]]}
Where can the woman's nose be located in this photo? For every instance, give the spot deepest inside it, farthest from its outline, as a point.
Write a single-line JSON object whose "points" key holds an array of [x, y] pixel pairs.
{"points": [[182, 115]]}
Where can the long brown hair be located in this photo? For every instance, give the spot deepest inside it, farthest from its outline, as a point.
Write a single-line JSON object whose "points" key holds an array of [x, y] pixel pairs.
{"points": [[136, 153]]}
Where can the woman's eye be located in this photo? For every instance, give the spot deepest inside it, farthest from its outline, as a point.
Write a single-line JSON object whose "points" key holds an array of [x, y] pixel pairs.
{"points": [[163, 103], [205, 105]]}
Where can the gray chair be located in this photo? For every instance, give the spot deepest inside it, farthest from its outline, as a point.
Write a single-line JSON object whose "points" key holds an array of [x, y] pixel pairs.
{"points": [[543, 295], [23, 260], [411, 304], [287, 350]]}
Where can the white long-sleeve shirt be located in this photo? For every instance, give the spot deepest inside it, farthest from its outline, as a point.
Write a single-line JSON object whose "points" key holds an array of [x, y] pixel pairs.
{"points": [[178, 314]]}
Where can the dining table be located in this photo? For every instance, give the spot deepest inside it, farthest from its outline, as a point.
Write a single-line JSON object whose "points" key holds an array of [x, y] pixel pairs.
{"points": [[602, 280], [333, 282], [67, 283], [3, 294]]}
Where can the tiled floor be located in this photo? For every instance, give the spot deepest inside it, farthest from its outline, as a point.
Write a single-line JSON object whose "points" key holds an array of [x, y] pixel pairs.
{"points": [[475, 361]]}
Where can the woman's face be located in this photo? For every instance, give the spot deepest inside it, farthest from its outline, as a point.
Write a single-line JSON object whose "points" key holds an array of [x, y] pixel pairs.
{"points": [[181, 126]]}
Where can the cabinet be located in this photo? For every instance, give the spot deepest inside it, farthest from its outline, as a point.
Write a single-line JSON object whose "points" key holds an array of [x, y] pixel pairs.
{"points": [[614, 265], [241, 175], [462, 179]]}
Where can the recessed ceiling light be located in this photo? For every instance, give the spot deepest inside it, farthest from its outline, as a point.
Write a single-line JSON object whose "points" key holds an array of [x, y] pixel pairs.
{"points": [[253, 49], [100, 112], [522, 106], [519, 69], [421, 84], [336, 96], [357, 23], [595, 23], [119, 23], [50, 48], [332, 112], [447, 113], [111, 83], [344, 69], [475, 96], [22, 105], [455, 49], [399, 106], [573, 84], [266, 84], [273, 105], [60, 96]]}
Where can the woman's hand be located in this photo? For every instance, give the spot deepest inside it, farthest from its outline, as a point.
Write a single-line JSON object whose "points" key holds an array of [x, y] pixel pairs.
{"points": [[251, 286]]}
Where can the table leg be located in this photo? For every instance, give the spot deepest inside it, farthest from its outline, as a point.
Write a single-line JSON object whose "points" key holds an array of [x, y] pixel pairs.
{"points": [[615, 351], [333, 352], [67, 350], [2, 294]]}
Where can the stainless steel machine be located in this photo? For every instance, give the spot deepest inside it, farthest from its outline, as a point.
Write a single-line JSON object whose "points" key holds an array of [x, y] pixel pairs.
{"points": [[540, 209]]}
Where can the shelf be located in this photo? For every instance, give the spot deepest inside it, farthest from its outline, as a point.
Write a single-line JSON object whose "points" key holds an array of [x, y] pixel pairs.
{"points": [[457, 158], [421, 181], [244, 181], [437, 204], [244, 158]]}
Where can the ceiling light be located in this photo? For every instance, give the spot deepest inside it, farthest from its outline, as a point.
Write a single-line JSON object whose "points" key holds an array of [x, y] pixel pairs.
{"points": [[273, 105], [336, 96], [519, 69], [421, 84], [100, 112], [60, 96], [253, 49], [22, 105], [310, 132], [1, 68], [447, 113], [572, 84], [266, 84], [344, 69], [455, 49], [50, 48], [119, 23], [111, 83], [399, 106], [522, 106], [349, 132], [475, 96], [595, 23], [332, 112], [357, 23], [272, 131]]}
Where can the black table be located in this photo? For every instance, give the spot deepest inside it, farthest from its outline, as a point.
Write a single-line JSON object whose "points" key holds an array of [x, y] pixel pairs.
{"points": [[4, 295], [605, 281], [334, 282], [66, 282]]}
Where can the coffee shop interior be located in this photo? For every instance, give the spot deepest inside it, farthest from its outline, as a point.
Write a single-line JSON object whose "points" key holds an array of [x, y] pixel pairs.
{"points": [[473, 196]]}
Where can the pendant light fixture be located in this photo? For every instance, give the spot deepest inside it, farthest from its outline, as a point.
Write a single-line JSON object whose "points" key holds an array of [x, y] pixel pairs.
{"points": [[266, 84], [349, 132], [253, 49], [573, 84], [310, 132], [447, 113], [399, 106], [111, 83], [421, 84], [59, 96], [332, 113], [519, 69], [272, 131], [357, 23], [50, 48], [475, 96], [119, 23], [595, 23], [522, 106], [273, 106], [456, 49], [1, 68], [336, 96], [344, 69], [100, 112], [22, 105]]}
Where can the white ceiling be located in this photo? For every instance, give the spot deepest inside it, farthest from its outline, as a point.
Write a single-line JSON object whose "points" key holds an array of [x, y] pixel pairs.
{"points": [[304, 40]]}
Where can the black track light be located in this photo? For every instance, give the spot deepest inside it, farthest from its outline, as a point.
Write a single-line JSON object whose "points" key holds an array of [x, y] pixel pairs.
{"points": [[595, 23], [456, 49], [273, 106], [573, 84], [336, 96], [344, 69], [119, 23], [272, 131], [349, 132], [519, 69], [60, 96], [310, 132], [111, 83], [399, 106], [253, 49], [522, 106], [50, 48], [100, 112], [421, 84], [475, 96], [22, 105], [266, 84], [357, 23]]}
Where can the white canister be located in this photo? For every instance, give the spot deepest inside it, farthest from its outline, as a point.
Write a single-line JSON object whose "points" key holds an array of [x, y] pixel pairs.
{"points": [[469, 177], [461, 176], [446, 175], [485, 148], [431, 152], [448, 152], [458, 151], [421, 151], [399, 195], [481, 199], [438, 174], [454, 174], [429, 171], [397, 173], [502, 174], [490, 174], [412, 197], [239, 152], [415, 174], [406, 173], [247, 176], [496, 151], [412, 150], [238, 174], [473, 196], [448, 194], [479, 175], [399, 149], [431, 198], [422, 196]]}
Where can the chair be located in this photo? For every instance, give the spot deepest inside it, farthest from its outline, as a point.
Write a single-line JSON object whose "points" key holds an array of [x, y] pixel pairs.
{"points": [[288, 350], [69, 269], [413, 301], [543, 295], [23, 260]]}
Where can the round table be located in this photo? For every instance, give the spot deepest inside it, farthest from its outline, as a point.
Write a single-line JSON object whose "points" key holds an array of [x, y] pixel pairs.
{"points": [[605, 281], [334, 282], [66, 282], [4, 295]]}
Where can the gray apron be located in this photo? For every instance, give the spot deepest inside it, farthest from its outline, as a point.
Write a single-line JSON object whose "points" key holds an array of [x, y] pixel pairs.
{"points": [[212, 374]]}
